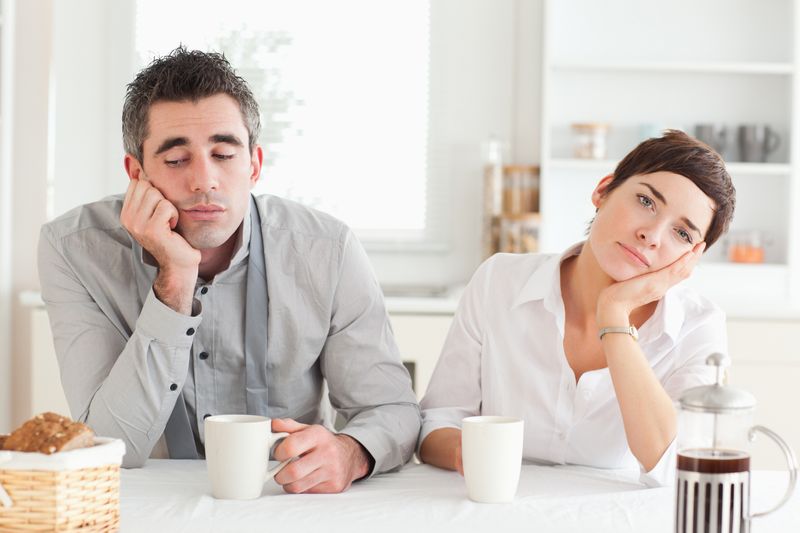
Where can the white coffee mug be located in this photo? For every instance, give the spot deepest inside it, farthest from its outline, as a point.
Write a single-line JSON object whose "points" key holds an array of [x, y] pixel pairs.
{"points": [[237, 455], [491, 452]]}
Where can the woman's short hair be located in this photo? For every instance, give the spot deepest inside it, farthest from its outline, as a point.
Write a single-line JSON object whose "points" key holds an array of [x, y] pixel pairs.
{"points": [[681, 154]]}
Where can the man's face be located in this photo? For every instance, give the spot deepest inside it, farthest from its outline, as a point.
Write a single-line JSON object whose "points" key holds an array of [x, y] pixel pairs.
{"points": [[647, 223], [196, 154]]}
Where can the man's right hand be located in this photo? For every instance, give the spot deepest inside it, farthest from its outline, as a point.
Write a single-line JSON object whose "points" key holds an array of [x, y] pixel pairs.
{"points": [[151, 219]]}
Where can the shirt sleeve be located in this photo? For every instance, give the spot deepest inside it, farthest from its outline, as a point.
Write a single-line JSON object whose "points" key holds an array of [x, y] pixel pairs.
{"points": [[454, 390], [367, 382], [708, 335], [121, 384]]}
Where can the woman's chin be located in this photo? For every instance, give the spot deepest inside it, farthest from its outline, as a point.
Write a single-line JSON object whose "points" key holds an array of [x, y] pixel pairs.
{"points": [[621, 272]]}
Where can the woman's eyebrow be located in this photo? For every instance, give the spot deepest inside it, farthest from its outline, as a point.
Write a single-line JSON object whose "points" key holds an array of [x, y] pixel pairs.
{"points": [[655, 192], [663, 200], [688, 222]]}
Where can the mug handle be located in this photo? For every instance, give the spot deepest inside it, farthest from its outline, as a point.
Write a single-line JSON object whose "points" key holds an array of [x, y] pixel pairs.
{"points": [[773, 141], [275, 437], [791, 463]]}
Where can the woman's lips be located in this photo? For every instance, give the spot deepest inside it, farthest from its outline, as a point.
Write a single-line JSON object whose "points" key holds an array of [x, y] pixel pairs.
{"points": [[636, 256]]}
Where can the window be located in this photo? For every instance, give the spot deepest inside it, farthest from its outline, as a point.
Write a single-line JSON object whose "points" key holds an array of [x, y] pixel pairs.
{"points": [[343, 89]]}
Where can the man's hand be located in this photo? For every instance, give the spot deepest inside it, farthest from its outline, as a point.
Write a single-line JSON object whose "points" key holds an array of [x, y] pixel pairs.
{"points": [[617, 301], [150, 219], [326, 462]]}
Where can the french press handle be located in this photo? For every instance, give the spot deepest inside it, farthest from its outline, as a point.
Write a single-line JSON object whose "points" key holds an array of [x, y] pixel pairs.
{"points": [[791, 463]]}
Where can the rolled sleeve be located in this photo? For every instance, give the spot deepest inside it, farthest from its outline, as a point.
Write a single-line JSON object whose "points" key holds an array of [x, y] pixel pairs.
{"points": [[663, 473], [368, 384], [454, 391]]}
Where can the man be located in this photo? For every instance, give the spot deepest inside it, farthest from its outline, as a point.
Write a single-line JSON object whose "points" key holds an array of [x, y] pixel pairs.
{"points": [[190, 297]]}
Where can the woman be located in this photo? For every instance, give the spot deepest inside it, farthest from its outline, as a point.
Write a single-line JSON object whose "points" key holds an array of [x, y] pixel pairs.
{"points": [[548, 338]]}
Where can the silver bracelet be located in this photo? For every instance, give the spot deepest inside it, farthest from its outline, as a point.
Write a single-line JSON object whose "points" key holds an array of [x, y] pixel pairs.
{"points": [[630, 330]]}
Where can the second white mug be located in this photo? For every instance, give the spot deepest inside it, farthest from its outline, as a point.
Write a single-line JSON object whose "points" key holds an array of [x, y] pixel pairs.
{"points": [[491, 452], [237, 455]]}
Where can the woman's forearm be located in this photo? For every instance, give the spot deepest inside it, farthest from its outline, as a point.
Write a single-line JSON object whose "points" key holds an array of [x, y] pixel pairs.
{"points": [[442, 448], [648, 414]]}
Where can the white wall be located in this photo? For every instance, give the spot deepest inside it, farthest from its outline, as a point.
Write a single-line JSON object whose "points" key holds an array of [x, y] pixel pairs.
{"points": [[6, 203], [30, 166], [68, 142]]}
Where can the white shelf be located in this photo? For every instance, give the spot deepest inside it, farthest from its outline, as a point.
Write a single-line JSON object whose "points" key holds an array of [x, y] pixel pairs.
{"points": [[603, 165], [762, 169], [781, 69]]}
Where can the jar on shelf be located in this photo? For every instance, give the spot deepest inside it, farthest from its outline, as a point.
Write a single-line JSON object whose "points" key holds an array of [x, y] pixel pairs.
{"points": [[746, 247], [520, 189], [590, 140], [519, 233]]}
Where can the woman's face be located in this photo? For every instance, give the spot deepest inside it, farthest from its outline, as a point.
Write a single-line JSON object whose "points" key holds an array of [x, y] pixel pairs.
{"points": [[647, 223]]}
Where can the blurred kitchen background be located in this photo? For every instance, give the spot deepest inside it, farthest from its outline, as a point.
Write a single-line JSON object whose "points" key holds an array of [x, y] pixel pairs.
{"points": [[440, 130]]}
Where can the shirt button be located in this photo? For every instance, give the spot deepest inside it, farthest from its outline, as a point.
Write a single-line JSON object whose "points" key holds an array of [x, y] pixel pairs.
{"points": [[190, 331], [204, 290], [203, 355], [173, 387]]}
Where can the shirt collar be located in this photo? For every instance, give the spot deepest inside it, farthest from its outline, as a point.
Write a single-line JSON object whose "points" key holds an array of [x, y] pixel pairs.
{"points": [[546, 279], [241, 249], [545, 284]]}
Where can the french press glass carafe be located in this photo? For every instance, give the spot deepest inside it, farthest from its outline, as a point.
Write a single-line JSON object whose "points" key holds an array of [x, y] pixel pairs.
{"points": [[715, 429]]}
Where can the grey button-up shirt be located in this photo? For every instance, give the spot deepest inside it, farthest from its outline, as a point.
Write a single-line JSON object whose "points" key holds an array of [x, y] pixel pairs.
{"points": [[122, 352]]}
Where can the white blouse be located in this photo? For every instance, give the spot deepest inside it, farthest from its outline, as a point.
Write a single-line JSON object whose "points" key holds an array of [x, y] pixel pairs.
{"points": [[504, 355]]}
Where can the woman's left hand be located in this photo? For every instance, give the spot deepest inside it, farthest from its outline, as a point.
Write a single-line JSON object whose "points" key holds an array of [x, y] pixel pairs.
{"points": [[616, 302]]}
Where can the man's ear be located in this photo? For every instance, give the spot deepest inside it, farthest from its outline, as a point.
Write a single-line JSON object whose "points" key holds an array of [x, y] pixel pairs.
{"points": [[256, 160], [599, 193], [133, 167]]}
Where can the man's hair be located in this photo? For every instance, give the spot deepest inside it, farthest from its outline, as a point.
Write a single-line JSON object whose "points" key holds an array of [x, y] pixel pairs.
{"points": [[681, 154], [183, 75]]}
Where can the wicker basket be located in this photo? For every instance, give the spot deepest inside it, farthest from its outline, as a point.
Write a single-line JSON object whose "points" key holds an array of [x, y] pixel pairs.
{"points": [[70, 491]]}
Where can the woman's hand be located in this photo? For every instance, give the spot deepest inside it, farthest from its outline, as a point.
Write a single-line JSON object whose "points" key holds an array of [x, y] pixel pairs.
{"points": [[616, 302]]}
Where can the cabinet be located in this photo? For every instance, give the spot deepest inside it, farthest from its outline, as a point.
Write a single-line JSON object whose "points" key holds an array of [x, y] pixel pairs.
{"points": [[644, 66]]}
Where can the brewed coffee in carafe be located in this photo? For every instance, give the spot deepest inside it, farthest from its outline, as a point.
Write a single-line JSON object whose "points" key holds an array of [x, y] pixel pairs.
{"points": [[715, 430]]}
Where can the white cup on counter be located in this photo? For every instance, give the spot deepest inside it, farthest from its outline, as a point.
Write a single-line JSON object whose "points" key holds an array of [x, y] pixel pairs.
{"points": [[491, 453], [237, 455]]}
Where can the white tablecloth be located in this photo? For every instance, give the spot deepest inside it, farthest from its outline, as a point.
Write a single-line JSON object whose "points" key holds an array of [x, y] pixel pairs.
{"points": [[174, 496]]}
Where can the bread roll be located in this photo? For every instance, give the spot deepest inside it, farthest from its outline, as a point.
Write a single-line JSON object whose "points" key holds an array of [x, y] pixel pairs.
{"points": [[49, 433]]}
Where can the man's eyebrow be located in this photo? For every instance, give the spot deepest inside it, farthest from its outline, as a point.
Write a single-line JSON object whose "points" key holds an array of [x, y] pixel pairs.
{"points": [[226, 138], [655, 192], [172, 143]]}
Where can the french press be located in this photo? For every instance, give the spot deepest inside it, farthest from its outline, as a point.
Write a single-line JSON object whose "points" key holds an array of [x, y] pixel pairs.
{"points": [[715, 429]]}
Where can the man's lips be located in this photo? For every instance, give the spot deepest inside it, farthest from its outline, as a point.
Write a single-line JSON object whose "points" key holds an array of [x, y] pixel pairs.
{"points": [[204, 212], [634, 254]]}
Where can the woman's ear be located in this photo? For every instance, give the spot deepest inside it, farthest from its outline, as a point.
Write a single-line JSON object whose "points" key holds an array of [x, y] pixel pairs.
{"points": [[599, 193]]}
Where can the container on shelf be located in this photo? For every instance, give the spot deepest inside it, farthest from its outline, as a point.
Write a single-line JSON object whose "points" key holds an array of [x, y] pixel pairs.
{"points": [[510, 206], [746, 247], [590, 140], [520, 189], [519, 233]]}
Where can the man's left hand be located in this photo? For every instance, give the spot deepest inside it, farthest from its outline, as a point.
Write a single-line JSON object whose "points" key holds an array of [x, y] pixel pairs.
{"points": [[326, 462]]}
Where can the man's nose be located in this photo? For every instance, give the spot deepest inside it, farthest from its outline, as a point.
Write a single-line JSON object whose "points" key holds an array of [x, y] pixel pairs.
{"points": [[203, 176]]}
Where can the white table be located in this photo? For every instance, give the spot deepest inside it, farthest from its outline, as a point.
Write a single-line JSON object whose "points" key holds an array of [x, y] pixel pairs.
{"points": [[174, 496]]}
